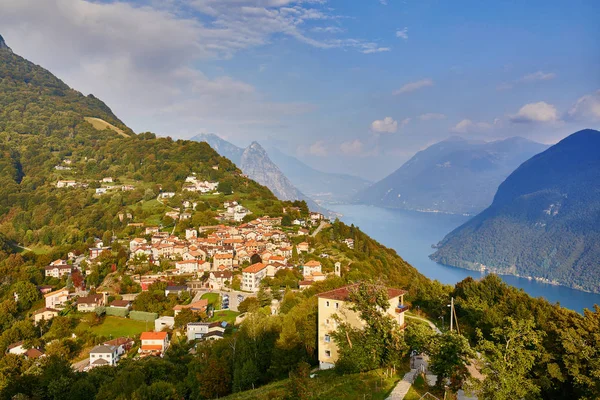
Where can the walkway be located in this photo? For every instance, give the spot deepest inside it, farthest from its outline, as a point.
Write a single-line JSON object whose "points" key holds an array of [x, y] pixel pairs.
{"points": [[431, 324], [403, 386], [322, 225]]}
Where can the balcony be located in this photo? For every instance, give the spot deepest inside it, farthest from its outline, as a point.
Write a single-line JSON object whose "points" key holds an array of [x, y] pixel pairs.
{"points": [[400, 308]]}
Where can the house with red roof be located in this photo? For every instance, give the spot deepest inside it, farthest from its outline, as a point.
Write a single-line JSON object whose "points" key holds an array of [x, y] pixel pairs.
{"points": [[154, 343], [252, 275], [336, 305]]}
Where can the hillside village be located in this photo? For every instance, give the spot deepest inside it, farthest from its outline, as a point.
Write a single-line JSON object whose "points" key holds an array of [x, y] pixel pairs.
{"points": [[229, 260]]}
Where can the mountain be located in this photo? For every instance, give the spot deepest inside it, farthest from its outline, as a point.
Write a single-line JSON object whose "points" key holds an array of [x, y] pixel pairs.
{"points": [[255, 162], [3, 45], [544, 221], [454, 176], [318, 185]]}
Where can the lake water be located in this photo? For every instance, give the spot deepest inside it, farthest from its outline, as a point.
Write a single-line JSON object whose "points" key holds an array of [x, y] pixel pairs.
{"points": [[411, 234]]}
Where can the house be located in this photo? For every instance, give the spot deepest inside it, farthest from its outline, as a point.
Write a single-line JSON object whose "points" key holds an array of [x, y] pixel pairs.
{"points": [[302, 247], [167, 195], [225, 259], [57, 269], [151, 230], [252, 275], [164, 322], [154, 343], [205, 330], [123, 344], [218, 279], [172, 214], [173, 289], [44, 314], [315, 216], [337, 303], [136, 243], [349, 243], [190, 234], [310, 267], [107, 180], [101, 190], [16, 348], [124, 304], [96, 251], [200, 306], [68, 184], [104, 355], [90, 303], [187, 266], [34, 353], [57, 299]]}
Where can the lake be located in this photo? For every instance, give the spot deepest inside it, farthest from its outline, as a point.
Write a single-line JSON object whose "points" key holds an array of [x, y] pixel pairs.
{"points": [[412, 233]]}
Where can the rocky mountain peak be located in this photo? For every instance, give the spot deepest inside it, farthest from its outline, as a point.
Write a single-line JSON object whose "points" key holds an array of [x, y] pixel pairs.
{"points": [[3, 45]]}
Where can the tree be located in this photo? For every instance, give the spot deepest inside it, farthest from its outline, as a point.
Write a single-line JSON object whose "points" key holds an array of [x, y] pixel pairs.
{"points": [[214, 380], [249, 304], [225, 188], [255, 259], [419, 337], [380, 343], [186, 316], [27, 293], [298, 387], [449, 357], [508, 360]]}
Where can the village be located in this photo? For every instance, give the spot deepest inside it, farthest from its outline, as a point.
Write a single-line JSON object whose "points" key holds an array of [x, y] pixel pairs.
{"points": [[210, 272]]}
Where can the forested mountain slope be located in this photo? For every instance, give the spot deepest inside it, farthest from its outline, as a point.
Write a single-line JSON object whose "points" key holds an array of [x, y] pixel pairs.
{"points": [[544, 221], [454, 176]]}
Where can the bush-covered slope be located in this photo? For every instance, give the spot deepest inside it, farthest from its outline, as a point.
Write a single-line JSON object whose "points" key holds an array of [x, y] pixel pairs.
{"points": [[544, 221]]}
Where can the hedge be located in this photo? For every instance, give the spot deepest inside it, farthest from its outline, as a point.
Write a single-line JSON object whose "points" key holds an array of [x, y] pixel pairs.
{"points": [[117, 312], [143, 315]]}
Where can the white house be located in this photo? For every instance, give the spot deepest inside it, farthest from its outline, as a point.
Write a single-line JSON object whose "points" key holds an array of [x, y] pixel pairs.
{"points": [[164, 322], [57, 298], [252, 275], [104, 355], [205, 331]]}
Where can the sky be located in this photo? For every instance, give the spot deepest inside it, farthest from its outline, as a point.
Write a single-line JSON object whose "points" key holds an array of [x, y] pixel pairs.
{"points": [[346, 86]]}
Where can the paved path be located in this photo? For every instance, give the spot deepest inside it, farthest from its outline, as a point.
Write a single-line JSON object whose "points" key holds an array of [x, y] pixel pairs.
{"points": [[322, 225], [403, 386]]}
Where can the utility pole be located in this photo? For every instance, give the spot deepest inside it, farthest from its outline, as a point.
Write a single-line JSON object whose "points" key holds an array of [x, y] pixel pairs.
{"points": [[451, 312]]}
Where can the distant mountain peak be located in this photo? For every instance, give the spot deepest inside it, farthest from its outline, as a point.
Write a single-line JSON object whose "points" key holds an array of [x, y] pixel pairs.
{"points": [[3, 45]]}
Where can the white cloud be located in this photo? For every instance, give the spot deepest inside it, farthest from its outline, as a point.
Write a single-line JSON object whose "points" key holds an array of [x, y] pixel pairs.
{"points": [[538, 76], [412, 86], [405, 122], [386, 125], [536, 112], [318, 148], [431, 116], [587, 108], [468, 126], [403, 33], [375, 49], [328, 29], [353, 147]]}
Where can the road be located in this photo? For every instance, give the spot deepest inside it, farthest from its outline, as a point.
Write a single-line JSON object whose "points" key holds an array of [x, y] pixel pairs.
{"points": [[322, 225], [431, 324]]}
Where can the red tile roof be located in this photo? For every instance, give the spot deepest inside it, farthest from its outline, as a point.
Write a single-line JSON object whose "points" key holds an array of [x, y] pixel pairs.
{"points": [[254, 268], [153, 336], [343, 293]]}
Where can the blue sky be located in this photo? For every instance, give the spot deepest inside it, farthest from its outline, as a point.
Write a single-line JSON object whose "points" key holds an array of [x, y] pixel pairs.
{"points": [[347, 86]]}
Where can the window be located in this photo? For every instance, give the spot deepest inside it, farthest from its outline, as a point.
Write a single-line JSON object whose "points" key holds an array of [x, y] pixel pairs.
{"points": [[327, 353], [327, 338], [328, 304], [337, 305]]}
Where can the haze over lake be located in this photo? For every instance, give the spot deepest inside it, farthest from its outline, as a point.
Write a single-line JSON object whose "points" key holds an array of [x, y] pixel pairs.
{"points": [[411, 234]]}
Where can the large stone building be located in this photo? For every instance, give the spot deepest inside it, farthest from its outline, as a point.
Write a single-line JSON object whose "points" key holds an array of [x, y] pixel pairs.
{"points": [[337, 303]]}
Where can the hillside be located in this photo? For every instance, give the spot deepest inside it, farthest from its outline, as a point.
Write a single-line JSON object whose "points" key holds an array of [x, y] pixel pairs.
{"points": [[322, 186], [544, 221], [255, 162], [454, 176]]}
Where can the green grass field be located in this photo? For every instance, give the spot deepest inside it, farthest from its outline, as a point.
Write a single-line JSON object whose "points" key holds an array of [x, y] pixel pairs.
{"points": [[116, 327], [214, 299], [225, 315], [328, 385]]}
